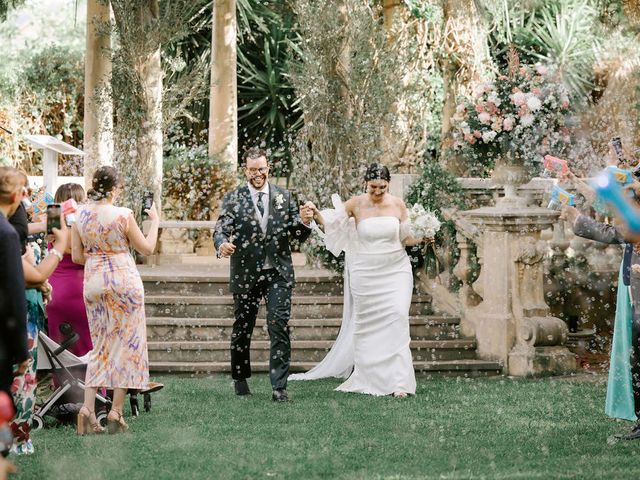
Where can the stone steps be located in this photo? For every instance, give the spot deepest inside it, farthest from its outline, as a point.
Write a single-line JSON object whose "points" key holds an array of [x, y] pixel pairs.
{"points": [[307, 284], [301, 350], [305, 306], [466, 367], [214, 329], [190, 317]]}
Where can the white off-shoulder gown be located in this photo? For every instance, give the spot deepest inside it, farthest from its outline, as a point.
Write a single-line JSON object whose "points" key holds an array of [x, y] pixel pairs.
{"points": [[374, 342]]}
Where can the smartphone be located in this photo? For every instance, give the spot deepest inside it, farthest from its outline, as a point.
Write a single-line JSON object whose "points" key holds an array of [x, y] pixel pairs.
{"points": [[53, 217], [147, 202], [616, 143]]}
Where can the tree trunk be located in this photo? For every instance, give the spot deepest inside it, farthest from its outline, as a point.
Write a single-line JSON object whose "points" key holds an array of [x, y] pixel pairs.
{"points": [[465, 60], [389, 7], [631, 9], [149, 144], [98, 109], [223, 105]]}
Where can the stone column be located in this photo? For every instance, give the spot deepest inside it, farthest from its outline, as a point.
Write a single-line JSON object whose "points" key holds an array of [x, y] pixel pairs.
{"points": [[98, 110], [512, 323], [223, 108]]}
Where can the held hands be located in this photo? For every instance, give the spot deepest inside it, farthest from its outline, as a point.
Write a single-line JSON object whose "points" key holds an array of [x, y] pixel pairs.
{"points": [[307, 212], [47, 292]]}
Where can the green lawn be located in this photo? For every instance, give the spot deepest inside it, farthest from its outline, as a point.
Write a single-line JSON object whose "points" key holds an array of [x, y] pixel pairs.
{"points": [[453, 428]]}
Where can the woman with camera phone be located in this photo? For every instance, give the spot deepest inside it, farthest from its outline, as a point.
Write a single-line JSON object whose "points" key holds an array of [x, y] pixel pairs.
{"points": [[114, 297]]}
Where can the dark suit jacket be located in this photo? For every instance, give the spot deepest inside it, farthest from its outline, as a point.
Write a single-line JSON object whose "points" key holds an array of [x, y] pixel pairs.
{"points": [[238, 223], [20, 222], [13, 304], [587, 227]]}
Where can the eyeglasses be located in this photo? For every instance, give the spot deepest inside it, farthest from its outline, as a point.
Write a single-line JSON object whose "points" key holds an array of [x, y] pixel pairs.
{"points": [[258, 170]]}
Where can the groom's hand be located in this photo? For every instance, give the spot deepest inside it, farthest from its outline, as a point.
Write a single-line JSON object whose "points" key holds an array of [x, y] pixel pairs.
{"points": [[226, 249]]}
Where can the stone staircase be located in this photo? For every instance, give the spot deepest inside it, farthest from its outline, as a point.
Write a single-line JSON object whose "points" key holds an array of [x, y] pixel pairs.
{"points": [[190, 317]]}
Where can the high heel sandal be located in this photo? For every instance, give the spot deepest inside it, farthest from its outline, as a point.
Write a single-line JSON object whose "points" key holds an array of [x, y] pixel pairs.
{"points": [[84, 424], [116, 425]]}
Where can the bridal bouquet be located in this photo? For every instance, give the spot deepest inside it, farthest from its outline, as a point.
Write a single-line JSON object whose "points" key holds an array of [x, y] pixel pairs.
{"points": [[422, 223]]}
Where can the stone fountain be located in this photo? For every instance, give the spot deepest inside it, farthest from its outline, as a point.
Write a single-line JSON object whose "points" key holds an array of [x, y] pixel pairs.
{"points": [[512, 323]]}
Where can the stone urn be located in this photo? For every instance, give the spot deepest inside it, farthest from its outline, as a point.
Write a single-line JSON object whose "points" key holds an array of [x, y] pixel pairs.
{"points": [[510, 172]]}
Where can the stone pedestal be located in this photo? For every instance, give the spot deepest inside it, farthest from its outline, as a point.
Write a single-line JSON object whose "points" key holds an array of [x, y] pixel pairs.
{"points": [[512, 323], [175, 241], [204, 244]]}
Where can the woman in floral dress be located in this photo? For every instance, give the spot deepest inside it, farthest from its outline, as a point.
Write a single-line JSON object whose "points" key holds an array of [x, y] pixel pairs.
{"points": [[114, 296]]}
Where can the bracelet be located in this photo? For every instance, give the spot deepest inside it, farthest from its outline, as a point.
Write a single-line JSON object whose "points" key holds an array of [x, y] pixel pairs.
{"points": [[56, 253]]}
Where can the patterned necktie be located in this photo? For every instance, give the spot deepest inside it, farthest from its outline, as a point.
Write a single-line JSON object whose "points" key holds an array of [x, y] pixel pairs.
{"points": [[259, 203]]}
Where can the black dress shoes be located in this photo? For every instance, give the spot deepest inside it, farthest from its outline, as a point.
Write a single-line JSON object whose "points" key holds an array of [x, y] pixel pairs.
{"points": [[633, 434], [241, 387], [280, 395]]}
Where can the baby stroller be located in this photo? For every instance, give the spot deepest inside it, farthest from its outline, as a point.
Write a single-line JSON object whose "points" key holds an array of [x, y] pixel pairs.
{"points": [[69, 372]]}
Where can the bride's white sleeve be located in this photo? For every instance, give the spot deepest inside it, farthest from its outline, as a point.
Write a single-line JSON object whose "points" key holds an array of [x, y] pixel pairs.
{"points": [[405, 230], [339, 229], [339, 235]]}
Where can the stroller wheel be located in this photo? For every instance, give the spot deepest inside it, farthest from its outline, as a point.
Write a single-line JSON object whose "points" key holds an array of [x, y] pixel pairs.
{"points": [[101, 417], [135, 406], [147, 402], [36, 422]]}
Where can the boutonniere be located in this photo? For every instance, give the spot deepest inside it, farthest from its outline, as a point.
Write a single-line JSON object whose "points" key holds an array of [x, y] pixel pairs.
{"points": [[279, 201]]}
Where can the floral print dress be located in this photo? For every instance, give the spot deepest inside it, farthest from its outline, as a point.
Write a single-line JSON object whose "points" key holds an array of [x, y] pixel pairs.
{"points": [[23, 388], [114, 297]]}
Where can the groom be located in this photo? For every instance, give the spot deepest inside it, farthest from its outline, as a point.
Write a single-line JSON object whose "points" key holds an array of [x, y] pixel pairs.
{"points": [[255, 225]]}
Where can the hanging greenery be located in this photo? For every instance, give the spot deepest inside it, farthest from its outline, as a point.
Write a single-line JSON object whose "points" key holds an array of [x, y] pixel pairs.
{"points": [[143, 105], [437, 189], [6, 5], [268, 114]]}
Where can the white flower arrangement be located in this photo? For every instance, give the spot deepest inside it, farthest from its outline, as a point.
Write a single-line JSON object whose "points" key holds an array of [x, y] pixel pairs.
{"points": [[423, 223], [279, 201]]}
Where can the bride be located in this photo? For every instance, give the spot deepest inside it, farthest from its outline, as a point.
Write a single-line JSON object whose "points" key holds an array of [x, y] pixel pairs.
{"points": [[372, 348]]}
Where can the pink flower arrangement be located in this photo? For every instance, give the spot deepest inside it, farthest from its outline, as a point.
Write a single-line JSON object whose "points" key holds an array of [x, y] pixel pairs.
{"points": [[524, 112]]}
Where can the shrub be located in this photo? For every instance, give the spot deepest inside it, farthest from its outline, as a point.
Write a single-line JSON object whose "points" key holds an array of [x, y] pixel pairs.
{"points": [[50, 101], [434, 190], [194, 183]]}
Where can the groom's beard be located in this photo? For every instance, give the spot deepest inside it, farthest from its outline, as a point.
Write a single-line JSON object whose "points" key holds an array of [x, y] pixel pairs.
{"points": [[258, 181]]}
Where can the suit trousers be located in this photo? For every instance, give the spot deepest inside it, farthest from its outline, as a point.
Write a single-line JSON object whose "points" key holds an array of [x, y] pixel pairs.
{"points": [[277, 294]]}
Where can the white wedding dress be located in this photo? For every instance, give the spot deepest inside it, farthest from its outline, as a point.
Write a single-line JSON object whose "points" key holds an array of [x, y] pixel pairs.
{"points": [[372, 348]]}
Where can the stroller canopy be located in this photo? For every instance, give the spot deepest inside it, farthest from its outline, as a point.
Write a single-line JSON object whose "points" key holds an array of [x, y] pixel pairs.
{"points": [[66, 358]]}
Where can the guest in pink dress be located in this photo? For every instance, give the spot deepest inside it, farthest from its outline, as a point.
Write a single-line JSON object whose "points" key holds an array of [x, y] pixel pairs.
{"points": [[114, 295], [67, 281]]}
